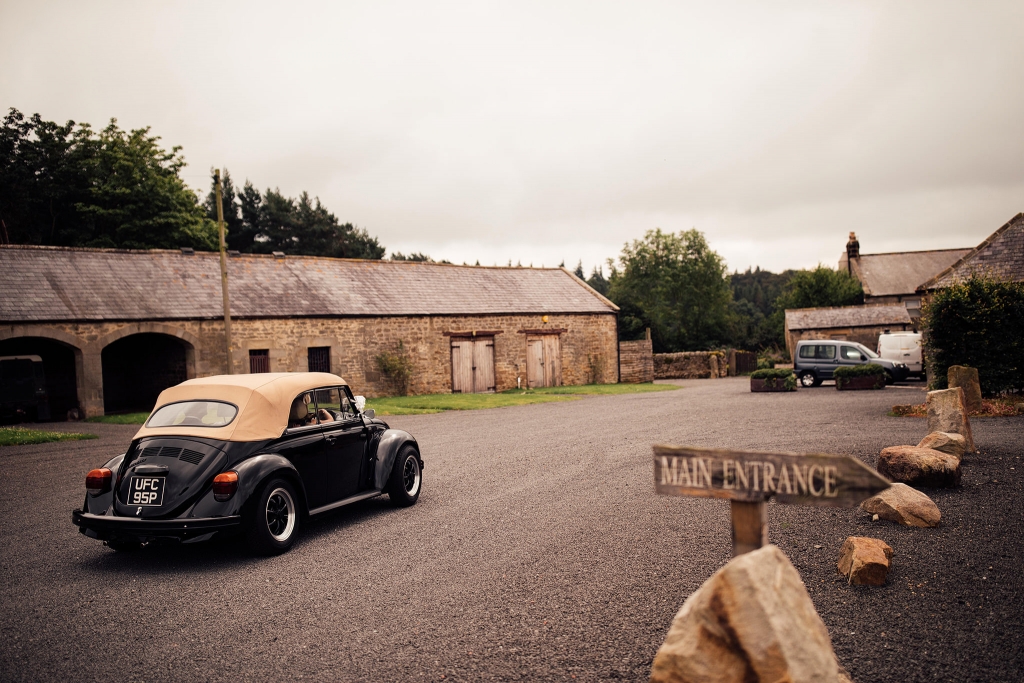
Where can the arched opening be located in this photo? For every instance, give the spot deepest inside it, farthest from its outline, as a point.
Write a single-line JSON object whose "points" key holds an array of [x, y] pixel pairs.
{"points": [[138, 367], [58, 366]]}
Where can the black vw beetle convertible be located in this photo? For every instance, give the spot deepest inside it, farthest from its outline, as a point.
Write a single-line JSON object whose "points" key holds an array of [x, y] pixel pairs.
{"points": [[250, 454]]}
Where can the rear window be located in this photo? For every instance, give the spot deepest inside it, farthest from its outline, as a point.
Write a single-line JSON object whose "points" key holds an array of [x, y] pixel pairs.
{"points": [[193, 414], [820, 351]]}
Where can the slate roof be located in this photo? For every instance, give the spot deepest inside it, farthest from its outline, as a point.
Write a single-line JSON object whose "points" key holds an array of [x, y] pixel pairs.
{"points": [[870, 315], [1001, 255], [53, 283], [902, 272]]}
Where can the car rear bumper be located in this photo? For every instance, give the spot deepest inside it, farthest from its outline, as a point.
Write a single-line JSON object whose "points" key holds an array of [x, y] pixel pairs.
{"points": [[108, 527]]}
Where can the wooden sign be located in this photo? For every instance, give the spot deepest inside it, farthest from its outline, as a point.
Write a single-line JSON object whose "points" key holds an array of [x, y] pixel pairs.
{"points": [[750, 478]]}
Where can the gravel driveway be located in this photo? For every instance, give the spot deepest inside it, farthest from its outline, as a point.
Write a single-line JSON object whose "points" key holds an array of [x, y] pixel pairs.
{"points": [[538, 551]]}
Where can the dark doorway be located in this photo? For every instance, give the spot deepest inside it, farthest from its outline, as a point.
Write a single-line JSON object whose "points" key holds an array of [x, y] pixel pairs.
{"points": [[138, 367], [58, 365]]}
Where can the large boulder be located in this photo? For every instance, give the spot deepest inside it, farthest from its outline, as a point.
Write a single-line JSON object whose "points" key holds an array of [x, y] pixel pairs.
{"points": [[905, 505], [946, 442], [751, 621], [948, 413], [865, 561], [919, 466], [967, 379]]}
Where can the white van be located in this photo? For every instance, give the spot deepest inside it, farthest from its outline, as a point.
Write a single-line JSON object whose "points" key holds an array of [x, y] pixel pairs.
{"points": [[904, 347]]}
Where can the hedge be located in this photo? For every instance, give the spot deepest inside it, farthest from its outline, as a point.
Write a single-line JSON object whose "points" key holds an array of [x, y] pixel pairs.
{"points": [[772, 376], [977, 322], [859, 370]]}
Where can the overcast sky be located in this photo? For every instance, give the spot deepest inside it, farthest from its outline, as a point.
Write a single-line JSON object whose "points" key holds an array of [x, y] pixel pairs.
{"points": [[551, 131]]}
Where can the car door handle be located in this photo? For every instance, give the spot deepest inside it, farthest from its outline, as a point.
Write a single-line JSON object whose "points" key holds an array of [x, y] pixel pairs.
{"points": [[331, 440]]}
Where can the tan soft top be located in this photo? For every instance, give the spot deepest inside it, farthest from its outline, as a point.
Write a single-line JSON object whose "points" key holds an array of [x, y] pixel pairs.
{"points": [[264, 401]]}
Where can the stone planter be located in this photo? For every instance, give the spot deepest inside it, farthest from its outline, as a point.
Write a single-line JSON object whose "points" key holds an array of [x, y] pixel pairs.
{"points": [[862, 382], [759, 385]]}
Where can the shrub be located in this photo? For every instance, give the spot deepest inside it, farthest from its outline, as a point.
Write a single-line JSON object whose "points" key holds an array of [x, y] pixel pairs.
{"points": [[396, 367], [771, 377], [846, 372], [977, 322]]}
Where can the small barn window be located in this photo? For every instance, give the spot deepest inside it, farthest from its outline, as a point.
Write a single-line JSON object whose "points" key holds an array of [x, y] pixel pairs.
{"points": [[259, 360], [319, 358]]}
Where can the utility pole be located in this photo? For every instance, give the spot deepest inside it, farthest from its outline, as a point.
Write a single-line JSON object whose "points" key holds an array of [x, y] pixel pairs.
{"points": [[223, 271]]}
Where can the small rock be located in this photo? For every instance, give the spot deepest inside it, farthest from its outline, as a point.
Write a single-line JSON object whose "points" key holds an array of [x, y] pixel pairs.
{"points": [[905, 505], [967, 379], [919, 466], [751, 621], [874, 518], [946, 442], [865, 561], [947, 412]]}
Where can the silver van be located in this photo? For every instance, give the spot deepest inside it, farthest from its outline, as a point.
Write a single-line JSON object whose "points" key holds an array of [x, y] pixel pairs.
{"points": [[815, 360]]}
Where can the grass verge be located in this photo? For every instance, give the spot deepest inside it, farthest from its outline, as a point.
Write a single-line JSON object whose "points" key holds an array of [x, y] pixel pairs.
{"points": [[436, 403], [19, 436], [123, 419]]}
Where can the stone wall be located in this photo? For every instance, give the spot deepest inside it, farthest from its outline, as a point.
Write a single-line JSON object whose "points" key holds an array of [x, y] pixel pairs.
{"points": [[636, 361], [690, 365], [588, 347]]}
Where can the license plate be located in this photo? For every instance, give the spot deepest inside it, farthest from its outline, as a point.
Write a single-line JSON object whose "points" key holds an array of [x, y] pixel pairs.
{"points": [[146, 490]]}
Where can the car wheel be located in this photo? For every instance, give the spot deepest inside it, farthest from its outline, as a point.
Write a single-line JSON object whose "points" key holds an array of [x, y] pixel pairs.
{"points": [[406, 478], [807, 379], [124, 546], [274, 521], [889, 379]]}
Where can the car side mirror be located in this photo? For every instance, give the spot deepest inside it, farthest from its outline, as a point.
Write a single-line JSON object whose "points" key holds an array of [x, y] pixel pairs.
{"points": [[370, 414], [360, 403]]}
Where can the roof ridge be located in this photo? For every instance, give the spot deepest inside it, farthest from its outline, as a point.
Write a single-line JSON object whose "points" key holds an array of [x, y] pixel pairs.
{"points": [[197, 252], [920, 251], [986, 242]]}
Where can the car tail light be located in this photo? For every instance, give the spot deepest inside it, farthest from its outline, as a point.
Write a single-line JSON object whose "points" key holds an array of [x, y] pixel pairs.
{"points": [[224, 486], [98, 481]]}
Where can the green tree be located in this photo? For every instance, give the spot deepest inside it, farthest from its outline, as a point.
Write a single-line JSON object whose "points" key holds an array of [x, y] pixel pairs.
{"points": [[68, 185], [977, 322], [270, 222], [414, 256], [818, 288], [754, 293], [232, 209], [676, 285]]}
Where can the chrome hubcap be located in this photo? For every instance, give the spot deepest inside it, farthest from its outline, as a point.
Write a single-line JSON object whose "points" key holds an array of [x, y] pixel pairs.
{"points": [[280, 514], [411, 475]]}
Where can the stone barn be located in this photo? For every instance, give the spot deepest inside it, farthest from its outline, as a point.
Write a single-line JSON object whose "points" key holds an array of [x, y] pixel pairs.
{"points": [[115, 327], [849, 323]]}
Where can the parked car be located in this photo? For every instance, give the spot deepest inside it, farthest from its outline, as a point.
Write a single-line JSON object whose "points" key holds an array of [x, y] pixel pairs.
{"points": [[254, 455], [904, 347], [23, 390], [814, 360]]}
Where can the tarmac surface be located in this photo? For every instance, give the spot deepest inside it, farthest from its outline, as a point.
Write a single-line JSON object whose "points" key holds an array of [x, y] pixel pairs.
{"points": [[538, 551]]}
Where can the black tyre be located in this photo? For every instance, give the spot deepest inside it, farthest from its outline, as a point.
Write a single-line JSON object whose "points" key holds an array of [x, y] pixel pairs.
{"points": [[273, 522], [889, 379], [807, 379], [406, 478]]}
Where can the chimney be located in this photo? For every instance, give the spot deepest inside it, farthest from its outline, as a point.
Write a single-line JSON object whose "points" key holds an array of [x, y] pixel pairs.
{"points": [[852, 252]]}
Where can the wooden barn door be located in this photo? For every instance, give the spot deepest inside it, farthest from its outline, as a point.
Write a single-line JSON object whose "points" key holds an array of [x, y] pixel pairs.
{"points": [[543, 361], [473, 365]]}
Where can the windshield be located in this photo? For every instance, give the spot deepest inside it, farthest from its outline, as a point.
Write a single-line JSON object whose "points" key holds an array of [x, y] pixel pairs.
{"points": [[866, 351], [193, 414]]}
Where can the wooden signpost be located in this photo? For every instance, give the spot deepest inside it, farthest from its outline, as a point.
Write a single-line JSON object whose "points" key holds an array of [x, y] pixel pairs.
{"points": [[749, 478]]}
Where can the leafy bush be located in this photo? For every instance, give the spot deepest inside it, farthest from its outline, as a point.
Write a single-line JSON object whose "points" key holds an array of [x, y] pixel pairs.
{"points": [[859, 370], [977, 322], [772, 376], [396, 367], [847, 372]]}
